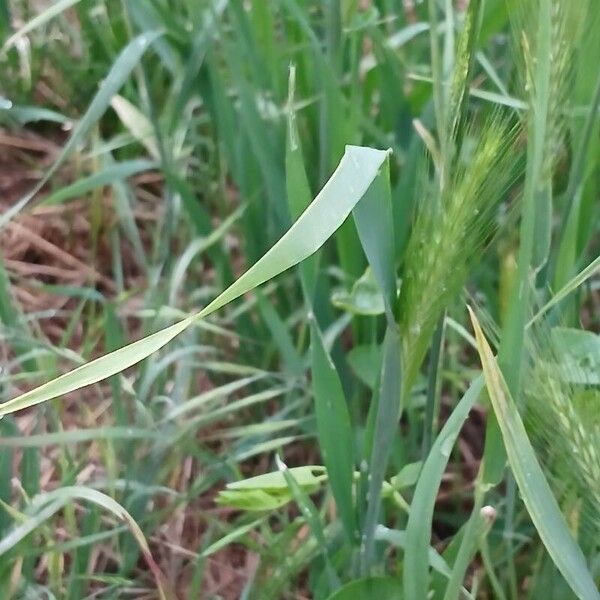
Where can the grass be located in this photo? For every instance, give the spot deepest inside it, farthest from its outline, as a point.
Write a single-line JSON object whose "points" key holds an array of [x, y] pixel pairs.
{"points": [[237, 244]]}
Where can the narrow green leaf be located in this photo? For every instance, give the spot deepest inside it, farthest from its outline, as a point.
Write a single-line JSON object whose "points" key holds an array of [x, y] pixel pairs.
{"points": [[569, 287], [418, 529], [313, 520], [106, 176], [282, 337], [386, 427], [475, 529], [334, 429], [374, 222], [298, 188], [296, 180], [24, 114], [398, 539], [331, 207], [51, 502], [232, 536], [535, 491], [75, 436], [21, 531]]}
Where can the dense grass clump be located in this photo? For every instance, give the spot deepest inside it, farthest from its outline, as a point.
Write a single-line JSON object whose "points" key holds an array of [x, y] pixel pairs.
{"points": [[237, 242]]}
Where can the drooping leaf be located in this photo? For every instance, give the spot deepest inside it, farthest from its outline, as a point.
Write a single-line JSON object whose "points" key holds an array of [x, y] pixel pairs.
{"points": [[327, 212], [535, 491]]}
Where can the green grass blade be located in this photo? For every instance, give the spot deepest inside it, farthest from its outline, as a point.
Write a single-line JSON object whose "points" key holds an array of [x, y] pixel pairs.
{"points": [[348, 184], [535, 491], [69, 493], [375, 225], [298, 188], [296, 181], [398, 538], [334, 429], [311, 515], [291, 360], [232, 536], [418, 529], [108, 175], [330, 208], [98, 369], [21, 531], [386, 427], [569, 287], [75, 436], [567, 253]]}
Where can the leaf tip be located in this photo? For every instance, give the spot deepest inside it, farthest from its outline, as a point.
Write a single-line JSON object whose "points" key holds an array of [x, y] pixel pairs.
{"points": [[476, 326]]}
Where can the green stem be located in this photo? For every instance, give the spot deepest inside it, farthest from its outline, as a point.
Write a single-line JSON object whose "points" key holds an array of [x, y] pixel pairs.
{"points": [[438, 78], [431, 406]]}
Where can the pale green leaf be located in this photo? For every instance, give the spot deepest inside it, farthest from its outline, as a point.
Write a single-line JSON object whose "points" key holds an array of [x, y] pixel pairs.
{"points": [[357, 169], [535, 491]]}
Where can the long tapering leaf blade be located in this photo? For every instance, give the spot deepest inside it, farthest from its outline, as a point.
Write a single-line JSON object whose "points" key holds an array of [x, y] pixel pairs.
{"points": [[357, 169], [385, 428], [333, 428], [535, 491], [418, 529]]}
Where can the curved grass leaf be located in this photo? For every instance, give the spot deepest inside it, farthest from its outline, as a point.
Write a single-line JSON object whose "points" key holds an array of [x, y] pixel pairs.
{"points": [[569, 287], [418, 529], [397, 538], [24, 114], [535, 491], [232, 536], [358, 168], [50, 503], [106, 176]]}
